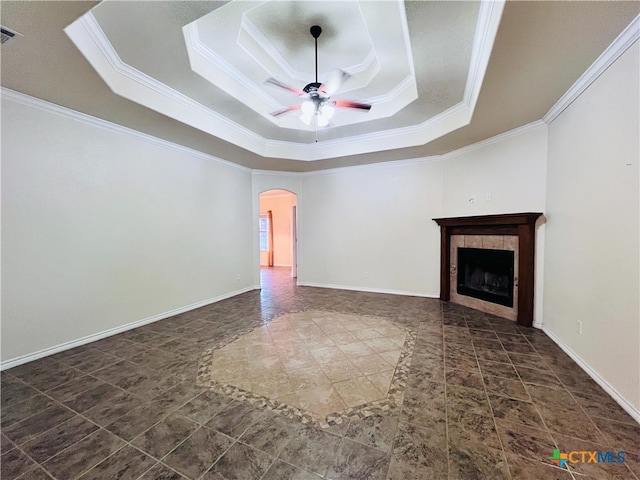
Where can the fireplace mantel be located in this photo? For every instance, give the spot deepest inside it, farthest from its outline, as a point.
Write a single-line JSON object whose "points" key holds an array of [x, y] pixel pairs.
{"points": [[521, 225]]}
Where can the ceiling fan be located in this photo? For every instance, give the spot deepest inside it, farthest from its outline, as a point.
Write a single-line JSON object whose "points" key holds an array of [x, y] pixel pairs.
{"points": [[317, 102]]}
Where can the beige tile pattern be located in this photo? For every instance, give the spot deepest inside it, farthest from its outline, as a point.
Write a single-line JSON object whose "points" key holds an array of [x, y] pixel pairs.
{"points": [[319, 362]]}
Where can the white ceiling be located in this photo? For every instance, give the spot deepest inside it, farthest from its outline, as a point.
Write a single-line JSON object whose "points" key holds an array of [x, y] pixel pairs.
{"points": [[210, 73], [440, 75]]}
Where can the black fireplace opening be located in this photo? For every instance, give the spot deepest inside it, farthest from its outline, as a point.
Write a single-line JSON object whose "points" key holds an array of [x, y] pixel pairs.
{"points": [[486, 274]]}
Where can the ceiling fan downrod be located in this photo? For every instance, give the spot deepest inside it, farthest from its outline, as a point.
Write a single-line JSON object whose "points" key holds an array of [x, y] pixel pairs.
{"points": [[316, 30]]}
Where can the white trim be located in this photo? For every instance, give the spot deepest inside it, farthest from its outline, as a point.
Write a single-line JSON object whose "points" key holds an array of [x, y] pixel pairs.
{"points": [[610, 389], [14, 362], [45, 106], [368, 289], [620, 45]]}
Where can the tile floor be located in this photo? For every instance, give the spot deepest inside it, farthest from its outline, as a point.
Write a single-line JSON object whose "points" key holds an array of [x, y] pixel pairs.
{"points": [[481, 398]]}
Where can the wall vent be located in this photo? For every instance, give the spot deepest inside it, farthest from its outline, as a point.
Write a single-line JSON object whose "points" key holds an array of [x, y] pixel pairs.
{"points": [[7, 34]]}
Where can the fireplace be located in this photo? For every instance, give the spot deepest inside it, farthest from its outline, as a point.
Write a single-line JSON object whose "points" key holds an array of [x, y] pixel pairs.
{"points": [[486, 274], [487, 263]]}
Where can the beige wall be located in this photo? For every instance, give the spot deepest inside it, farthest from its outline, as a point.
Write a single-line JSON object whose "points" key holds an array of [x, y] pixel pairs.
{"points": [[102, 229], [592, 244], [280, 202]]}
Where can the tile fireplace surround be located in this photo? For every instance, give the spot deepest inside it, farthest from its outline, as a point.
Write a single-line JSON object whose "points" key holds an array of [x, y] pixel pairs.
{"points": [[511, 231]]}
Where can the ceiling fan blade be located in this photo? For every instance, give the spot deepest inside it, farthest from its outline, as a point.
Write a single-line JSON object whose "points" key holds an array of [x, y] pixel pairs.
{"points": [[292, 108], [350, 104], [284, 86], [335, 81]]}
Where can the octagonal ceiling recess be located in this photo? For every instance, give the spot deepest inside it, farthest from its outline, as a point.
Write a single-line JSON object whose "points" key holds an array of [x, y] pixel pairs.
{"points": [[420, 64]]}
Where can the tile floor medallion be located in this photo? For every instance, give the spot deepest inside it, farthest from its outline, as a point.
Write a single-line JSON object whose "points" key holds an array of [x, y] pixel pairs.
{"points": [[319, 367]]}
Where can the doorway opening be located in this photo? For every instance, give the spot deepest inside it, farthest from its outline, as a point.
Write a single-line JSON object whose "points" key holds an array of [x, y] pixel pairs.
{"points": [[278, 237]]}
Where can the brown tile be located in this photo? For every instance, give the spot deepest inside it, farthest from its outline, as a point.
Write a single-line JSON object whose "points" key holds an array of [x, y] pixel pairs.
{"points": [[70, 390], [497, 369], [518, 439], [472, 428], [162, 472], [98, 396], [465, 379], [83, 455], [534, 469], [377, 431], [515, 411], [15, 463], [240, 461], [461, 401], [15, 391], [311, 449], [539, 377], [203, 407], [354, 460], [506, 387], [602, 405], [584, 465], [37, 424], [138, 420], [419, 453], [475, 460], [234, 419], [165, 435], [19, 411], [119, 405], [199, 452], [58, 438], [270, 433], [284, 471], [126, 464], [623, 436], [529, 361]]}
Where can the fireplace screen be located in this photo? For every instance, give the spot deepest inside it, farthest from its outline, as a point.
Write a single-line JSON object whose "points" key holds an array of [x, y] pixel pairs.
{"points": [[486, 274]]}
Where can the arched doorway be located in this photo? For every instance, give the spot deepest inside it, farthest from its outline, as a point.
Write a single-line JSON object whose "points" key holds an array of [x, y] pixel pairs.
{"points": [[278, 233]]}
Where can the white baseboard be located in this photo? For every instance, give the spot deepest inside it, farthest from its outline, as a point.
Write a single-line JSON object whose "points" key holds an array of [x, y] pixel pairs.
{"points": [[367, 289], [14, 362], [620, 400]]}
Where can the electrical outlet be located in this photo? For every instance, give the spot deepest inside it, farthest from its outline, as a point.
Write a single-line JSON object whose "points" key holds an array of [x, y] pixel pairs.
{"points": [[487, 197], [579, 326], [365, 274], [238, 277]]}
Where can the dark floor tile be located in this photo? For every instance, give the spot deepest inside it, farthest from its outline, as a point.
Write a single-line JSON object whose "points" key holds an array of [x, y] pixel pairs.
{"points": [[497, 369], [37, 424], [284, 471], [240, 462], [99, 395], [572, 424], [422, 410], [585, 466], [83, 455], [623, 436], [462, 400], [73, 388], [465, 378], [553, 398], [311, 449], [602, 405], [506, 387], [20, 411], [34, 474], [165, 435], [15, 391], [531, 469], [498, 356], [105, 413], [46, 381], [203, 407], [539, 377], [180, 394], [270, 433], [353, 460], [518, 439], [529, 361], [6, 444], [58, 438], [473, 428], [234, 419], [161, 472], [136, 421], [377, 431], [89, 365], [126, 464], [199, 452], [515, 411], [477, 461], [461, 361], [15, 463]]}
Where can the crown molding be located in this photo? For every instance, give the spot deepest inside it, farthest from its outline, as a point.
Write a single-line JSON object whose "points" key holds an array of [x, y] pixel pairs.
{"points": [[620, 45], [135, 85], [43, 105]]}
